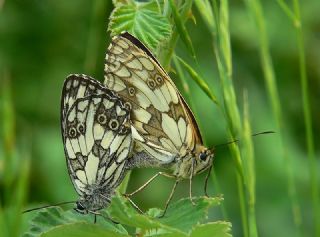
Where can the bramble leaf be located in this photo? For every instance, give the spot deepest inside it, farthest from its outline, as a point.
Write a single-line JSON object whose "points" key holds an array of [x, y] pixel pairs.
{"points": [[219, 228], [143, 20], [54, 221], [182, 219]]}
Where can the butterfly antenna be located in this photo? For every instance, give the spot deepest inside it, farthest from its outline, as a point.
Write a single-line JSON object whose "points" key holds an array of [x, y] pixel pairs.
{"points": [[236, 140], [54, 205]]}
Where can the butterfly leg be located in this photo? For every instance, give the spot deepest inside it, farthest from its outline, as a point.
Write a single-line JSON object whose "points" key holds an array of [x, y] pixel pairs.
{"points": [[190, 183], [169, 199], [144, 186], [104, 217], [109, 219], [148, 182], [133, 204], [95, 214], [206, 182]]}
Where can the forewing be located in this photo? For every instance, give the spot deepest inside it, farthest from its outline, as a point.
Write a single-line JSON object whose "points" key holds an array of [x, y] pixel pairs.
{"points": [[164, 124], [96, 133]]}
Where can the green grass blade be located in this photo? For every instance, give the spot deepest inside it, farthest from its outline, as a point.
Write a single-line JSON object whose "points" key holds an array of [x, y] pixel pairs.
{"points": [[287, 10], [179, 23], [15, 164], [221, 36], [313, 164], [166, 53], [249, 168], [256, 10], [220, 31], [205, 9], [199, 80], [242, 201], [216, 184], [181, 76], [8, 136], [224, 61]]}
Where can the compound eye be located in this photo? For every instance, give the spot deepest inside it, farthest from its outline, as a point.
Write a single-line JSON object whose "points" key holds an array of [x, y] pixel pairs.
{"points": [[203, 156], [80, 207]]}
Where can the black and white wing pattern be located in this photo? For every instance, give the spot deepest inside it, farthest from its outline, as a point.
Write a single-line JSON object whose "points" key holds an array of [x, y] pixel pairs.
{"points": [[162, 122], [96, 133]]}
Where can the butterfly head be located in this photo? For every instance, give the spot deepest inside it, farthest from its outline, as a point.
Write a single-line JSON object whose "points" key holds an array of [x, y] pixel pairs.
{"points": [[203, 159], [91, 204], [81, 208]]}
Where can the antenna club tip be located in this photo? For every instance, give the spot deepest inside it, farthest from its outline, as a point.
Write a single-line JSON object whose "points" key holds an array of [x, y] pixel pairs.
{"points": [[265, 132]]}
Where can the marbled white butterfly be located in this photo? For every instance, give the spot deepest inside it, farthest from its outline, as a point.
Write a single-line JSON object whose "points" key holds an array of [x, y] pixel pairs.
{"points": [[164, 130], [97, 139]]}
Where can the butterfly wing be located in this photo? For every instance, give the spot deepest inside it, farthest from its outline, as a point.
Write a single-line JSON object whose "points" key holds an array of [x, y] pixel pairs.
{"points": [[162, 121], [96, 134]]}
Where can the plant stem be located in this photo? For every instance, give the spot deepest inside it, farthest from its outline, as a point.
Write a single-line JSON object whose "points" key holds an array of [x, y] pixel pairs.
{"points": [[221, 36], [167, 51], [249, 168], [307, 119], [255, 8]]}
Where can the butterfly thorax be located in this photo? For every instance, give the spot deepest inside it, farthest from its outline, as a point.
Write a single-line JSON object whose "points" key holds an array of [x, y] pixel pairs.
{"points": [[96, 199], [140, 158], [193, 163]]}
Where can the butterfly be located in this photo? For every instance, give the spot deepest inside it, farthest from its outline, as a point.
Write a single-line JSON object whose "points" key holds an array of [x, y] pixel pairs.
{"points": [[95, 126], [164, 129]]}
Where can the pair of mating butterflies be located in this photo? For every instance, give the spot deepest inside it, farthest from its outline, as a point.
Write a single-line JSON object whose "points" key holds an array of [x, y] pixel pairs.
{"points": [[136, 118]]}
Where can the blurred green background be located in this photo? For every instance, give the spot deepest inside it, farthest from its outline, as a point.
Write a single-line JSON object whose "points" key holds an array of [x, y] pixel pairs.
{"points": [[41, 42]]}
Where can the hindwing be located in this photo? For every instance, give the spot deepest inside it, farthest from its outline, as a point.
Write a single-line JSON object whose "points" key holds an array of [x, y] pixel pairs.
{"points": [[162, 121], [96, 133]]}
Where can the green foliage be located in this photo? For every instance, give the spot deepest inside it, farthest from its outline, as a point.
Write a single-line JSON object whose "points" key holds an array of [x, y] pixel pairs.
{"points": [[247, 151], [262, 47], [199, 80], [221, 42], [212, 229], [182, 219], [14, 164], [179, 22], [143, 20], [55, 221]]}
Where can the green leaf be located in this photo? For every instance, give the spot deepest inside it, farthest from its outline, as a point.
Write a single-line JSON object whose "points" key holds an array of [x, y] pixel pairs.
{"points": [[181, 219], [81, 229], [181, 216], [199, 80], [124, 213], [219, 228], [55, 221], [143, 20], [206, 13], [182, 28], [121, 2]]}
